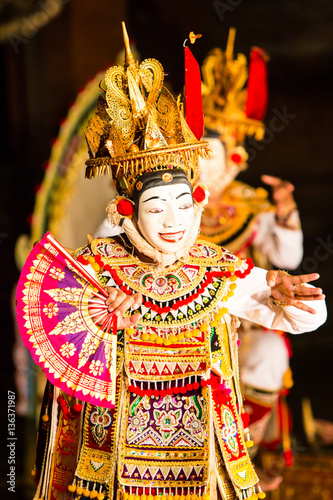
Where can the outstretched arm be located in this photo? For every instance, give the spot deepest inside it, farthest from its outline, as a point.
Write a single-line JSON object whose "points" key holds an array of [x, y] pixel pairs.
{"points": [[279, 236], [302, 310]]}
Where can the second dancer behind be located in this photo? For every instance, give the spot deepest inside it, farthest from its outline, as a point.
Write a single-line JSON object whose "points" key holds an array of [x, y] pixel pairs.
{"points": [[240, 218]]}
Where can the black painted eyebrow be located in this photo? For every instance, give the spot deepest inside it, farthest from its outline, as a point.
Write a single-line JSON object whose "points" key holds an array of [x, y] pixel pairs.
{"points": [[154, 198], [183, 194], [162, 199]]}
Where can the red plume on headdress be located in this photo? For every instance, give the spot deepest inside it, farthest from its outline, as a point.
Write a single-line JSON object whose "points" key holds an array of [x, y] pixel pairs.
{"points": [[193, 97], [257, 87]]}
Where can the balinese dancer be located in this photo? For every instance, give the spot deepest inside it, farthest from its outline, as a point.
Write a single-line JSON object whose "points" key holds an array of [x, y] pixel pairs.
{"points": [[240, 218], [153, 409]]}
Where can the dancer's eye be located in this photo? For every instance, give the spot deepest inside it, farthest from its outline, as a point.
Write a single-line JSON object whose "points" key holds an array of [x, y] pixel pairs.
{"points": [[155, 210]]}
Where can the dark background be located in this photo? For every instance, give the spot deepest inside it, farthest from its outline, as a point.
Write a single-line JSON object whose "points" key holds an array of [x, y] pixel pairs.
{"points": [[41, 74]]}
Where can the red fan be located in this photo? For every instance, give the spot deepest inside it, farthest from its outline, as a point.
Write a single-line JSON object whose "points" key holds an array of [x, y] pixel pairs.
{"points": [[65, 324]]}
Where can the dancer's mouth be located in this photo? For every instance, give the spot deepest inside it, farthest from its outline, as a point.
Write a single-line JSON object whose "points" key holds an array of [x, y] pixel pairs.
{"points": [[172, 237]]}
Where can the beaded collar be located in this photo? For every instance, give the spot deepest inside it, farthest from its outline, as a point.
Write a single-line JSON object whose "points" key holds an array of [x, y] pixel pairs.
{"points": [[174, 296]]}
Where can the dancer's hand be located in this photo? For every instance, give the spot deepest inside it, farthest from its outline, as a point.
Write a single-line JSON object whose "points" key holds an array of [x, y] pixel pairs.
{"points": [[290, 290], [119, 302], [282, 194]]}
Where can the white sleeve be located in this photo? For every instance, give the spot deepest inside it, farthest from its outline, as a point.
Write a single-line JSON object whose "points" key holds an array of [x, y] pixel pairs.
{"points": [[281, 246], [250, 301], [106, 229]]}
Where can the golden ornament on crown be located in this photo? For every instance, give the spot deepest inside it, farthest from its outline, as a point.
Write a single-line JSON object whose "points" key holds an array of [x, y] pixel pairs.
{"points": [[224, 95], [138, 127]]}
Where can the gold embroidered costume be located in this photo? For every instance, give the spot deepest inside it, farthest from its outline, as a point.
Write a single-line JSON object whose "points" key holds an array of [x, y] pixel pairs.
{"points": [[161, 431]]}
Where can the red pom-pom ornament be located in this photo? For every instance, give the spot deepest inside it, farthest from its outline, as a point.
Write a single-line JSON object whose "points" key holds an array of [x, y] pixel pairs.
{"points": [[236, 158], [199, 194], [125, 207]]}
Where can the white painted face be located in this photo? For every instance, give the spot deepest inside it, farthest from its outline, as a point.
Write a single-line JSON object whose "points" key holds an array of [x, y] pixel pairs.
{"points": [[166, 216], [213, 171]]}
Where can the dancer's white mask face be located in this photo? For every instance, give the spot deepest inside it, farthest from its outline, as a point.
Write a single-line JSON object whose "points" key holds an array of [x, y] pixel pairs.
{"points": [[166, 216], [213, 169], [214, 172]]}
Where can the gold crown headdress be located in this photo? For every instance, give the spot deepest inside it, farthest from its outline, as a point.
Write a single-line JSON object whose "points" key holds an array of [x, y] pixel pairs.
{"points": [[226, 103], [138, 127]]}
